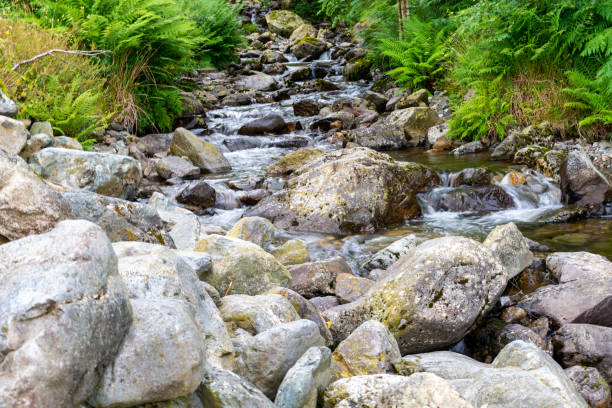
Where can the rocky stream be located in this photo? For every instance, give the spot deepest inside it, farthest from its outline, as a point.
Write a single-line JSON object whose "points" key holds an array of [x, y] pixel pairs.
{"points": [[307, 238]]}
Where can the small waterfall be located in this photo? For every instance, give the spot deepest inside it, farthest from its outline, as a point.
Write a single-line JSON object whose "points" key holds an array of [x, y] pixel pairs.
{"points": [[227, 199], [537, 191]]}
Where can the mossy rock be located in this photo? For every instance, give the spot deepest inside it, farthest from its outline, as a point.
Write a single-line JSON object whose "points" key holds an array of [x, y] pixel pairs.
{"points": [[283, 22], [358, 70], [293, 161]]}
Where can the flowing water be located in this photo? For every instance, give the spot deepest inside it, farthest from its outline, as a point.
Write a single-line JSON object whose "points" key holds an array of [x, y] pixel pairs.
{"points": [[248, 166]]}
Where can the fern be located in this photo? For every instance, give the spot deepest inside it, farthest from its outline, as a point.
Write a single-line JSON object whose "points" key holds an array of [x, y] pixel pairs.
{"points": [[589, 98]]}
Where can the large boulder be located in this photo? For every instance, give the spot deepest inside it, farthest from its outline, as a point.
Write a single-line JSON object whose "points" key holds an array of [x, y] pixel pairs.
{"points": [[265, 359], [393, 391], [585, 345], [570, 266], [160, 359], [473, 199], [317, 278], [7, 106], [283, 22], [224, 389], [203, 154], [511, 247], [27, 205], [248, 268], [348, 191], [370, 349], [103, 173], [13, 135], [581, 182], [521, 376], [156, 272], [122, 220], [303, 31], [293, 161], [380, 136], [270, 124], [305, 380], [308, 49], [254, 229], [430, 297], [64, 313], [357, 69], [415, 122]]}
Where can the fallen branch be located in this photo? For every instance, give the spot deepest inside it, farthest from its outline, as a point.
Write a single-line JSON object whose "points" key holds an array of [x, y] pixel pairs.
{"points": [[93, 53], [229, 288]]}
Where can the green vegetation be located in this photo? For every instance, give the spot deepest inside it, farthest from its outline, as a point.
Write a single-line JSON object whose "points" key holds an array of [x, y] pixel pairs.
{"points": [[150, 43]]}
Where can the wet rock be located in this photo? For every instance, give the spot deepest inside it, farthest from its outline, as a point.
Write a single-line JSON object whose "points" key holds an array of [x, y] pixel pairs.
{"points": [[254, 229], [370, 349], [161, 357], [350, 287], [270, 124], [322, 303], [387, 256], [581, 301], [292, 252], [27, 205], [507, 148], [321, 69], [475, 199], [256, 314], [415, 99], [238, 99], [176, 167], [306, 107], [224, 389], [393, 391], [521, 375], [241, 143], [357, 69], [436, 132], [471, 177], [590, 385], [348, 191], [64, 314], [300, 75], [309, 49], [156, 272], [283, 22], [429, 298], [416, 123], [337, 120], [258, 82], [203, 154], [380, 136], [469, 148], [571, 213], [183, 226], [121, 220], [377, 99], [65, 142], [13, 135], [305, 310], [303, 31], [152, 144], [265, 359], [290, 143], [585, 345], [581, 182], [508, 244], [274, 69], [272, 57], [305, 380], [569, 266], [248, 268], [317, 278], [7, 106], [294, 160], [200, 194]]}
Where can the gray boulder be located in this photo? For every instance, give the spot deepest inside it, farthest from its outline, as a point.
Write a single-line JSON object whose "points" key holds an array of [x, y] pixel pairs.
{"points": [[436, 132], [590, 385], [510, 246], [203, 154], [581, 182], [309, 49], [317, 278], [469, 148], [380, 136], [416, 123], [176, 167], [256, 314], [265, 359], [13, 135], [388, 255], [64, 313], [41, 127], [305, 380], [27, 205], [7, 106], [224, 389], [254, 229], [283, 22], [350, 287], [103, 173], [183, 225], [570, 266], [259, 82]]}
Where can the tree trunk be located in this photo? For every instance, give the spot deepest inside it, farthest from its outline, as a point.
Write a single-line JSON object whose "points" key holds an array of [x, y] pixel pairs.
{"points": [[403, 12]]}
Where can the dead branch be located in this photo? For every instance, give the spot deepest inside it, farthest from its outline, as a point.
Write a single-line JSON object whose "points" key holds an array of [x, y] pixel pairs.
{"points": [[93, 53]]}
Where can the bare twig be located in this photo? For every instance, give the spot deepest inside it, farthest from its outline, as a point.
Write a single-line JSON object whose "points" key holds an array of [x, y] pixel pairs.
{"points": [[229, 288], [92, 53]]}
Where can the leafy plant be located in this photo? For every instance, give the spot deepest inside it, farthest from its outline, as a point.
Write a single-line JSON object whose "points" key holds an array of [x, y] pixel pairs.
{"points": [[589, 97], [159, 108]]}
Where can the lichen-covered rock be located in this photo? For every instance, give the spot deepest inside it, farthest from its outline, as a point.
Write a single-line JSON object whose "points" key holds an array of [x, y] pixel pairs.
{"points": [[107, 174], [224, 389], [13, 135], [303, 31], [415, 99], [265, 359], [184, 226], [349, 287], [283, 22], [473, 199], [256, 314], [416, 122], [357, 69], [254, 229], [388, 255], [392, 391], [272, 57], [469, 148], [249, 269], [570, 266], [511, 248], [203, 154], [581, 182], [27, 205], [64, 313], [305, 380], [589, 383], [370, 349], [586, 345], [293, 161], [317, 278], [156, 272], [521, 376], [176, 167], [160, 359], [348, 191], [429, 298], [471, 177], [292, 252], [380, 136]]}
